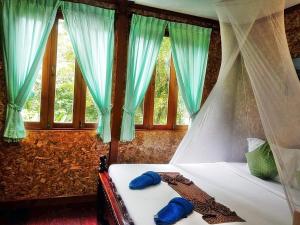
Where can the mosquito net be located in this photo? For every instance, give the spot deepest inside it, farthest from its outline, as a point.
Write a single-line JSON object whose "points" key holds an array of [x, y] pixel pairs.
{"points": [[257, 94]]}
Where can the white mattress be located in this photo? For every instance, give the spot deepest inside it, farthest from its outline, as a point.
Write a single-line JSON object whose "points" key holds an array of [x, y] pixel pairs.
{"points": [[258, 202]]}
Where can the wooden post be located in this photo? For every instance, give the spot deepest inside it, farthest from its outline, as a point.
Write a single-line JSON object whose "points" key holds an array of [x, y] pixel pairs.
{"points": [[296, 218], [120, 67]]}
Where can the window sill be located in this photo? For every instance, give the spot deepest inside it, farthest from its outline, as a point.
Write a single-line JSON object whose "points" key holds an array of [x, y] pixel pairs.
{"points": [[59, 126], [60, 129], [177, 128]]}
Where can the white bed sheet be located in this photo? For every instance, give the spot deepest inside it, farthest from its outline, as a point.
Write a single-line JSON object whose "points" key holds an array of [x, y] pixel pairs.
{"points": [[257, 202]]}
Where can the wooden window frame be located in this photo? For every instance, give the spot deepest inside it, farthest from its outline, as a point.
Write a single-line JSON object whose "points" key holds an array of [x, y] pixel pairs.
{"points": [[48, 91], [80, 89], [148, 123]]}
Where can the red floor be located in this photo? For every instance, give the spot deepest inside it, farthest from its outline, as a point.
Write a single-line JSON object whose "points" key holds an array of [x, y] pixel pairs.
{"points": [[83, 215]]}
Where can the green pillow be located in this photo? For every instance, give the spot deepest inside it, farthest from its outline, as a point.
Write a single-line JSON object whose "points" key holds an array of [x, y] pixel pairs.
{"points": [[261, 162]]}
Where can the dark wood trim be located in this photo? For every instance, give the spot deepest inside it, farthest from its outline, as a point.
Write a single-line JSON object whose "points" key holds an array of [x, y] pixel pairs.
{"points": [[149, 103], [63, 125], [111, 200], [173, 96], [108, 4], [296, 218], [77, 100], [89, 126], [292, 9], [46, 69], [83, 91], [111, 205], [160, 127], [32, 125], [52, 75], [172, 16], [181, 127], [119, 72]]}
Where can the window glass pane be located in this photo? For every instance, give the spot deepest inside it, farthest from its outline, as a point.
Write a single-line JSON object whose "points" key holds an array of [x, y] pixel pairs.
{"points": [[32, 107], [139, 114], [91, 113], [65, 73], [182, 117], [162, 78]]}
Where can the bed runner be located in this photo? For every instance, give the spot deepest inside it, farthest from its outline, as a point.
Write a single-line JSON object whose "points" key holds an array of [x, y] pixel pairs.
{"points": [[212, 211]]}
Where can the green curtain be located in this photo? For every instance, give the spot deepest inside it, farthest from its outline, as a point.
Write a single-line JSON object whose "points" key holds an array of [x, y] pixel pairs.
{"points": [[190, 46], [145, 38], [25, 27], [91, 31]]}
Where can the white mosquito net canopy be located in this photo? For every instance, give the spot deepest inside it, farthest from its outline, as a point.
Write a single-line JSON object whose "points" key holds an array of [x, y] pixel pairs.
{"points": [[257, 94]]}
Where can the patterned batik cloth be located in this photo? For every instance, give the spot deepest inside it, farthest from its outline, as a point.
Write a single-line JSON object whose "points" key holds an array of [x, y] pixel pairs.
{"points": [[212, 212]]}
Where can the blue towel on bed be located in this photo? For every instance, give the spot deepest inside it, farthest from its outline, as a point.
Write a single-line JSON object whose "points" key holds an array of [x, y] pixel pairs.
{"points": [[146, 179], [176, 209]]}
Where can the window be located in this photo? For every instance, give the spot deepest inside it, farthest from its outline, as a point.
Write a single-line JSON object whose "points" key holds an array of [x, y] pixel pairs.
{"points": [[60, 98], [163, 106], [32, 107], [182, 116], [91, 114], [161, 83], [139, 114], [65, 77]]}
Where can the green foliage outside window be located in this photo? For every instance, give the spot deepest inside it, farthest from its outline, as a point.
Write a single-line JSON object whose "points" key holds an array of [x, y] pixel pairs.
{"points": [[182, 117], [91, 113], [64, 90], [65, 73], [32, 107], [162, 78], [161, 92], [138, 119]]}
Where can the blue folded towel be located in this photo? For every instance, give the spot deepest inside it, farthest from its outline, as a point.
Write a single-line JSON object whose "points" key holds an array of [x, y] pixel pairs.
{"points": [[146, 179], [176, 209]]}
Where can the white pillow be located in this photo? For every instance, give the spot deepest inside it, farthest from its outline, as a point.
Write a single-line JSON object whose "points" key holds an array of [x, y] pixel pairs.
{"points": [[254, 143]]}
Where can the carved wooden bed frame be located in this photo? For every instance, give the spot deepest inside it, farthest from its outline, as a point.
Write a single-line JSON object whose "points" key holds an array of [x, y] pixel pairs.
{"points": [[111, 208]]}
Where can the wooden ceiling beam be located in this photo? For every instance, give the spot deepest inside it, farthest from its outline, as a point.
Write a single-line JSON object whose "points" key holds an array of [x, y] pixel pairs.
{"points": [[151, 11], [172, 16]]}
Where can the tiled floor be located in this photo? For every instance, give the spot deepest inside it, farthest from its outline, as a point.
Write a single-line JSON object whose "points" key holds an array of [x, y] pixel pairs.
{"points": [[75, 215]]}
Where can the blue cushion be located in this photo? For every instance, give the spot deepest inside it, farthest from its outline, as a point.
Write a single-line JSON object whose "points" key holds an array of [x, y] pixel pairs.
{"points": [[145, 180], [176, 209]]}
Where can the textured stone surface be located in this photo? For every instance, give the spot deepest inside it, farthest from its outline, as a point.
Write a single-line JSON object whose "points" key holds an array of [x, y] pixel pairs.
{"points": [[150, 147], [50, 163], [292, 26], [213, 64]]}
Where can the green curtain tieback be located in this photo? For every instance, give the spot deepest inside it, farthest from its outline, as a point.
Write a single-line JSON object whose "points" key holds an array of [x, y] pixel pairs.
{"points": [[15, 107], [128, 112], [106, 110], [193, 116]]}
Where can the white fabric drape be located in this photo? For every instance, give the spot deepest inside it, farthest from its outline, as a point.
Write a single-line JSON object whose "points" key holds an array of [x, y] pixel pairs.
{"points": [[257, 94]]}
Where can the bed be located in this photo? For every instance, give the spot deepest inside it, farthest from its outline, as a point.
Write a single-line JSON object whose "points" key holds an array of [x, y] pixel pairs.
{"points": [[257, 201]]}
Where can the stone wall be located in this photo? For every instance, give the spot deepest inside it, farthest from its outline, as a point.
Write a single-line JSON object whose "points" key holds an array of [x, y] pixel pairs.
{"points": [[50, 163]]}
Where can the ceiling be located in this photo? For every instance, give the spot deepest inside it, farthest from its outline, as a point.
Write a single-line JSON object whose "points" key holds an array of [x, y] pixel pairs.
{"points": [[201, 8]]}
